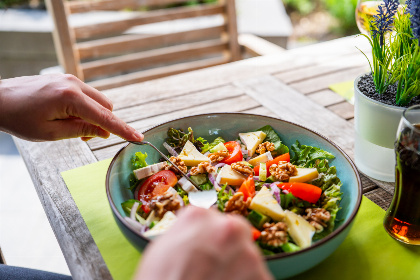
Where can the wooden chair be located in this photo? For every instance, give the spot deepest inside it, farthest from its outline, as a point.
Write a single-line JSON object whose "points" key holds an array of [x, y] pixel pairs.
{"points": [[102, 55]]}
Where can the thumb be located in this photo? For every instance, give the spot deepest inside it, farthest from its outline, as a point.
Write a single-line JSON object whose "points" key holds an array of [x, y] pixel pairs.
{"points": [[73, 128]]}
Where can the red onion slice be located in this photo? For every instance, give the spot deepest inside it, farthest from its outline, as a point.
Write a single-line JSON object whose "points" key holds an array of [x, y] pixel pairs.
{"points": [[141, 228], [220, 165], [133, 211], [275, 191], [170, 149], [214, 182]]}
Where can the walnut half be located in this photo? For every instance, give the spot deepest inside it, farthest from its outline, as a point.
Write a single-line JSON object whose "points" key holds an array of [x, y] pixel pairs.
{"points": [[178, 162], [218, 156], [165, 203], [242, 168], [237, 205], [274, 234], [317, 217], [266, 146], [202, 167], [283, 170]]}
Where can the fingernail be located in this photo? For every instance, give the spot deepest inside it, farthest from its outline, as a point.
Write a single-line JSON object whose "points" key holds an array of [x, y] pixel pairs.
{"points": [[138, 135]]}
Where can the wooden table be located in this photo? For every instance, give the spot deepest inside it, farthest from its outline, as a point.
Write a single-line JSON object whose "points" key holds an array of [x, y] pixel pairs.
{"points": [[292, 86]]}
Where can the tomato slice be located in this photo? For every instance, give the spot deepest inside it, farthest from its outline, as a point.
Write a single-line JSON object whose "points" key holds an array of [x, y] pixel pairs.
{"points": [[235, 153], [248, 188], [255, 234], [283, 157], [156, 185], [303, 191]]}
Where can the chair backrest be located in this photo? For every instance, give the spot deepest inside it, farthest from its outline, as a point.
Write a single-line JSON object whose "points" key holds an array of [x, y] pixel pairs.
{"points": [[103, 54]]}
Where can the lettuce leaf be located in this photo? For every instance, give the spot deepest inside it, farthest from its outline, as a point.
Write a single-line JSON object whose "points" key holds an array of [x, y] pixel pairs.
{"points": [[208, 146], [138, 160], [306, 156], [330, 199], [177, 139], [222, 197], [274, 138]]}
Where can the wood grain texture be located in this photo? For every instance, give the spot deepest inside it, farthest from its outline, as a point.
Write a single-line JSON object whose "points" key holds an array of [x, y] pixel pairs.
{"points": [[113, 65], [155, 73], [326, 97], [64, 39], [323, 82], [343, 109], [380, 197], [234, 104], [45, 161], [232, 29], [257, 46], [141, 18], [224, 74], [340, 63], [110, 5], [273, 94], [118, 44]]}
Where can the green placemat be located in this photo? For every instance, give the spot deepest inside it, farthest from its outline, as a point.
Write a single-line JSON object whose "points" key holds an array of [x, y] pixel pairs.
{"points": [[367, 253], [345, 89]]}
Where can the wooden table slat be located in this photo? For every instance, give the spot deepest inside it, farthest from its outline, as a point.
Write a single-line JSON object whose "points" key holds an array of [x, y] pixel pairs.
{"points": [[298, 78], [45, 161], [326, 97], [234, 104]]}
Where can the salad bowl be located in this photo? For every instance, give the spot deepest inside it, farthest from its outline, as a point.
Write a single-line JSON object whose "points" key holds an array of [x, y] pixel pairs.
{"points": [[228, 125]]}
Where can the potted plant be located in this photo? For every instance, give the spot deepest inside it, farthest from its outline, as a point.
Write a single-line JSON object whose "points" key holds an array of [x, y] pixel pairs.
{"points": [[393, 85]]}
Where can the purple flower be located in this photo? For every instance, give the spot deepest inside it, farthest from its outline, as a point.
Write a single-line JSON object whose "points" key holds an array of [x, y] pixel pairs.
{"points": [[413, 7], [384, 19]]}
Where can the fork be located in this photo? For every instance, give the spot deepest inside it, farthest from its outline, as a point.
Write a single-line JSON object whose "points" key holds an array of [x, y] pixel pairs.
{"points": [[201, 198]]}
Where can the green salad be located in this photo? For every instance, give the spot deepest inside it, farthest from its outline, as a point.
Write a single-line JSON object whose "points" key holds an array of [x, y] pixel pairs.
{"points": [[290, 195]]}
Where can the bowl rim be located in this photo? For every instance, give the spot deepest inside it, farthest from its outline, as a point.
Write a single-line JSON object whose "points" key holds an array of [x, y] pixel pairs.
{"points": [[319, 243]]}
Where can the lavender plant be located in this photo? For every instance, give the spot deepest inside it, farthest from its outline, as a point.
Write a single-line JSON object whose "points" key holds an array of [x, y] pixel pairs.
{"points": [[396, 57], [406, 68], [382, 55]]}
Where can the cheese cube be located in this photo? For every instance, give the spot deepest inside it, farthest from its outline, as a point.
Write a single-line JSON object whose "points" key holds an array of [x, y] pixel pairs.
{"points": [[261, 159], [167, 221], [191, 156], [229, 176], [148, 170], [265, 203], [252, 140], [304, 175], [299, 229]]}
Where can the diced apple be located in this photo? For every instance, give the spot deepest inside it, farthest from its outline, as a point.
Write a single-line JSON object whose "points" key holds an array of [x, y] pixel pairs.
{"points": [[304, 175], [148, 170], [167, 221], [191, 156], [261, 159], [229, 176], [252, 140], [218, 147], [299, 229], [265, 203]]}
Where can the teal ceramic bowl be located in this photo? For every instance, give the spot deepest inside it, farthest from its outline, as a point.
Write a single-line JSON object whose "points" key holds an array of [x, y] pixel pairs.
{"points": [[228, 125]]}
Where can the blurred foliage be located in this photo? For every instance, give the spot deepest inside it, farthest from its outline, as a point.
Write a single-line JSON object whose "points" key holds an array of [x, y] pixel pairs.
{"points": [[10, 3], [342, 10], [303, 7], [4, 4]]}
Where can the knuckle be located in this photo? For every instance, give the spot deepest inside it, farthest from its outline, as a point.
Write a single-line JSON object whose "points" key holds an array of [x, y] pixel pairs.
{"points": [[70, 77]]}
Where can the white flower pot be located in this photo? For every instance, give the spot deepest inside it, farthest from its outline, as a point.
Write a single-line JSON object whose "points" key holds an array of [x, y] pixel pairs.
{"points": [[375, 126]]}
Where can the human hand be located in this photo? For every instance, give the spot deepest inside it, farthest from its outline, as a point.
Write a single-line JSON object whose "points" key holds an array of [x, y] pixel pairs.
{"points": [[205, 245], [59, 106]]}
